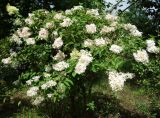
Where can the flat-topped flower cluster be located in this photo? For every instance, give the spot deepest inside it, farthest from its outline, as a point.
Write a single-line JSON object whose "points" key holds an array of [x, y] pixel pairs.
{"points": [[58, 48]]}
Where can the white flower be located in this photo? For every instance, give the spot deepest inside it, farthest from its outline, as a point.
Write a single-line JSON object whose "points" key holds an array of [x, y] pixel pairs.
{"points": [[38, 100], [114, 24], [48, 68], [68, 12], [6, 60], [30, 41], [32, 91], [48, 84], [59, 56], [136, 33], [24, 32], [141, 56], [85, 52], [16, 39], [29, 82], [100, 41], [75, 54], [80, 68], [51, 83], [77, 8], [59, 16], [55, 33], [150, 43], [60, 66], [43, 33], [110, 17], [49, 95], [46, 74], [31, 15], [91, 28], [133, 29], [44, 86], [57, 43], [29, 21], [16, 82], [88, 43], [11, 9], [84, 60], [36, 78], [116, 80], [49, 25], [153, 49], [66, 22], [93, 12], [130, 27], [151, 46], [107, 29], [116, 49]]}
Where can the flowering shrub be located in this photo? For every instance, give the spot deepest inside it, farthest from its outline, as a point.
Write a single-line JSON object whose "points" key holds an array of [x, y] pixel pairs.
{"points": [[60, 51]]}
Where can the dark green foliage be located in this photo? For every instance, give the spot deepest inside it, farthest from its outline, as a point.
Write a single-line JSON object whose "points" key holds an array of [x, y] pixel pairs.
{"points": [[145, 14]]}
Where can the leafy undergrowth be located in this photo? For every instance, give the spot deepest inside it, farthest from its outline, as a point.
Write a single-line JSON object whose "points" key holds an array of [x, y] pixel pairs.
{"points": [[131, 102]]}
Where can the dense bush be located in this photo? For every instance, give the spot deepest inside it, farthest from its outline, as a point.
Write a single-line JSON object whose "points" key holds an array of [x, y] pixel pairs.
{"points": [[61, 54]]}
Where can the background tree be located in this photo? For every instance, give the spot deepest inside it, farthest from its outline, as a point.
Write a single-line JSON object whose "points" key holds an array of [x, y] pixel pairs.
{"points": [[27, 6], [145, 14]]}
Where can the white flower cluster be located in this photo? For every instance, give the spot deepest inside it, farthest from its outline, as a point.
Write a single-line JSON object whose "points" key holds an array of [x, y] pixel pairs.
{"points": [[111, 17], [114, 24], [38, 100], [93, 12], [75, 8], [116, 80], [34, 79], [43, 33], [133, 29], [46, 74], [16, 39], [48, 68], [30, 41], [68, 12], [141, 56], [106, 29], [59, 16], [49, 25], [97, 42], [116, 49], [57, 43], [24, 32], [84, 60], [151, 47], [60, 66], [59, 56], [49, 95], [66, 22], [32, 91], [75, 54], [11, 9], [29, 20], [48, 84], [88, 43], [7, 60], [91, 28], [100, 41]]}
